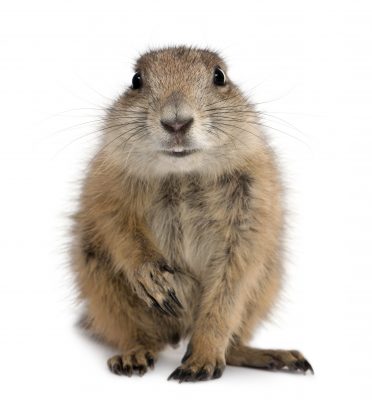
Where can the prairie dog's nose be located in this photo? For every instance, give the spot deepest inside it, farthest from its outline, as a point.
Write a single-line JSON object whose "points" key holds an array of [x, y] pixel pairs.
{"points": [[177, 125], [176, 115]]}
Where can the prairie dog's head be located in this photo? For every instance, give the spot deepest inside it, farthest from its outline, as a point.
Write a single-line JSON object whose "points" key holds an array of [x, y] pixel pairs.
{"points": [[182, 114]]}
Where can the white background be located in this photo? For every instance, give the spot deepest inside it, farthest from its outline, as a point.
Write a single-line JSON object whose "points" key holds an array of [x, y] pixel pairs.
{"points": [[309, 64]]}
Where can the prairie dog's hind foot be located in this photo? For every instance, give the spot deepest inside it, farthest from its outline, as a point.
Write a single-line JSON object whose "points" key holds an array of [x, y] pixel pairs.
{"points": [[136, 361], [272, 360]]}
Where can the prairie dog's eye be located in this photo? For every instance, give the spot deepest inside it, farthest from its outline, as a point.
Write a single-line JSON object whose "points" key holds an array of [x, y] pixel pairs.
{"points": [[137, 81], [219, 77]]}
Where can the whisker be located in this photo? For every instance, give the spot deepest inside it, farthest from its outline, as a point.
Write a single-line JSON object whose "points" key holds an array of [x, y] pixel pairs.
{"points": [[281, 131]]}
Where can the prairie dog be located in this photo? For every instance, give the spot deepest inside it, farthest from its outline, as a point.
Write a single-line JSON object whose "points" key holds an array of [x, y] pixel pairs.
{"points": [[178, 233]]}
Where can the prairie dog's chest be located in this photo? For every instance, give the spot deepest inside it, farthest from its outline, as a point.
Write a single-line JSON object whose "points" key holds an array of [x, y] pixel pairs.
{"points": [[171, 216], [187, 217]]}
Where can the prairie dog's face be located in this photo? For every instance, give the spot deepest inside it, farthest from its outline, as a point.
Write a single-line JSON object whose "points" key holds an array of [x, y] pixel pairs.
{"points": [[181, 114]]}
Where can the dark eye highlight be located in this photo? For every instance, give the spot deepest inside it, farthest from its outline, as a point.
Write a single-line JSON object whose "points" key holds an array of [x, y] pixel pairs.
{"points": [[137, 81], [219, 77]]}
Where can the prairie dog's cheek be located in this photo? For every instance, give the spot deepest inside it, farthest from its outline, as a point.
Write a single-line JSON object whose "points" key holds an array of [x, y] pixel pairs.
{"points": [[202, 139]]}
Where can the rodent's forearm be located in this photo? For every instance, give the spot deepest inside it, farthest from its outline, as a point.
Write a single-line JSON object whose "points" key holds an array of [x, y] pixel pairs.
{"points": [[224, 290], [128, 244], [218, 313]]}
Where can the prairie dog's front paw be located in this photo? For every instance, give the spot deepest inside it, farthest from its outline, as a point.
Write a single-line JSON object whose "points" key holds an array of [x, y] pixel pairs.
{"points": [[135, 361], [199, 368], [154, 283]]}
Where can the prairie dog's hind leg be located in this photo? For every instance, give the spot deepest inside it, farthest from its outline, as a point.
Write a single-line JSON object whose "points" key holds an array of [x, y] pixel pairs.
{"points": [[245, 356], [274, 360]]}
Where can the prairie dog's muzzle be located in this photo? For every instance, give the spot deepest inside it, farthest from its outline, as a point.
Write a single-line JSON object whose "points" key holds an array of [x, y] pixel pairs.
{"points": [[176, 115]]}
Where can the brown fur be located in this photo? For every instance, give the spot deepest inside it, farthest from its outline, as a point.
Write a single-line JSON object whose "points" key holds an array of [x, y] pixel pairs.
{"points": [[162, 252]]}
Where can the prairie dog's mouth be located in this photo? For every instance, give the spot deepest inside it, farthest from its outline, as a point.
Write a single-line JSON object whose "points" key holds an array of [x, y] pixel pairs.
{"points": [[179, 152]]}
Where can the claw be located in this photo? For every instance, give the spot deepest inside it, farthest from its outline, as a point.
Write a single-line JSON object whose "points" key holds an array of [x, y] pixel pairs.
{"points": [[272, 366], [116, 369], [185, 376], [175, 374], [116, 365], [201, 375], [169, 308], [150, 360], [173, 296], [217, 373], [127, 370], [300, 365], [159, 307], [308, 367], [180, 374], [163, 266], [187, 354], [141, 369]]}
